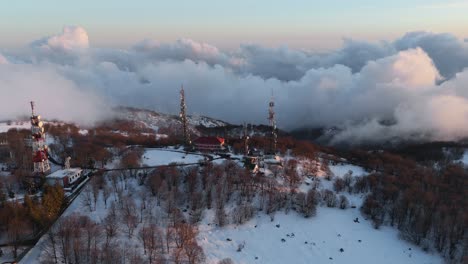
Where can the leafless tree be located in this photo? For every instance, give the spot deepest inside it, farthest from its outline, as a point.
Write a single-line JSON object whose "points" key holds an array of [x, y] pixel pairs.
{"points": [[129, 215], [194, 252], [343, 203], [106, 194], [87, 199], [242, 213]]}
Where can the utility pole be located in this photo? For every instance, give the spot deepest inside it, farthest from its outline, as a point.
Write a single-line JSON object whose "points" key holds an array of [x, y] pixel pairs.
{"points": [[183, 117]]}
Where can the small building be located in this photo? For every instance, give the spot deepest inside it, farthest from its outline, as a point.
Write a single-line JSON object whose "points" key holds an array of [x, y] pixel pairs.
{"points": [[64, 177], [209, 143]]}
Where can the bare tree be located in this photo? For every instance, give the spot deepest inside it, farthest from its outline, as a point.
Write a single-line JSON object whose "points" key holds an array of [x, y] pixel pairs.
{"points": [[129, 215], [87, 199], [343, 203], [106, 194], [194, 252]]}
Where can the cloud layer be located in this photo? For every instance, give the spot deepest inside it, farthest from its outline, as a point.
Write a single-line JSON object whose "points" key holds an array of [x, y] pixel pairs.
{"points": [[411, 88]]}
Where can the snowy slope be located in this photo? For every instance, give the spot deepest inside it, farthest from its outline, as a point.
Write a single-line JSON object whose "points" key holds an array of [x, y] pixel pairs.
{"points": [[315, 240], [155, 157], [4, 126], [340, 170], [155, 121], [306, 240]]}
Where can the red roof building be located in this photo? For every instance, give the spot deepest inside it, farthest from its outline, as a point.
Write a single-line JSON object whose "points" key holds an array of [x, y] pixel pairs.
{"points": [[209, 143]]}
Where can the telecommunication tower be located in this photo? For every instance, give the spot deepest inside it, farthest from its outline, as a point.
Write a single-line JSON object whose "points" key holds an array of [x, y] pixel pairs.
{"points": [[272, 121], [246, 140], [39, 147], [183, 118]]}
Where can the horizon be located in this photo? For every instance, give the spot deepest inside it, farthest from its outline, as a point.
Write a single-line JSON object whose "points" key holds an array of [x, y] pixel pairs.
{"points": [[310, 25], [377, 71]]}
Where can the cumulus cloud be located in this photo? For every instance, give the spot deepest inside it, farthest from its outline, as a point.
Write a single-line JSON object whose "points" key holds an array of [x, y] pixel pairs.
{"points": [[449, 54], [412, 88], [71, 38], [3, 60], [56, 96]]}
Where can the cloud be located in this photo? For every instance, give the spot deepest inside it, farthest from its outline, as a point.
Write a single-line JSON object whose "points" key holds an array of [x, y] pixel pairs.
{"points": [[71, 38], [56, 96], [3, 60], [372, 92], [449, 54]]}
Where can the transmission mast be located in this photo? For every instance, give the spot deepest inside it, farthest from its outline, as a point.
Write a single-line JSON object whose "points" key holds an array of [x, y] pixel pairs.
{"points": [[39, 147], [272, 121], [246, 140], [183, 118]]}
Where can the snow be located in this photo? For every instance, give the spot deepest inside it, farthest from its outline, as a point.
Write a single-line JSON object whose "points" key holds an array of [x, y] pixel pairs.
{"points": [[464, 159], [307, 240], [325, 234], [4, 127], [156, 157], [340, 170], [197, 120]]}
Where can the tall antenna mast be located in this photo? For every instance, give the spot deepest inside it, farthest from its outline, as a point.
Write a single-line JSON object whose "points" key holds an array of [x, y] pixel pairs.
{"points": [[183, 117], [39, 148], [246, 140], [272, 121], [32, 108]]}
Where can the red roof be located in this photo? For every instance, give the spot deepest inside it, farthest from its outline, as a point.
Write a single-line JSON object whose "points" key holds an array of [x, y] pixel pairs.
{"points": [[209, 140]]}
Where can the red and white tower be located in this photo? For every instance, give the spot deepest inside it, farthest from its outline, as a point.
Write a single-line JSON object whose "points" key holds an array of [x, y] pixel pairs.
{"points": [[39, 147]]}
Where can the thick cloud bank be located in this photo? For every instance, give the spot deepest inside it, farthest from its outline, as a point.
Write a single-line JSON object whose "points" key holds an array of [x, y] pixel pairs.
{"points": [[411, 88]]}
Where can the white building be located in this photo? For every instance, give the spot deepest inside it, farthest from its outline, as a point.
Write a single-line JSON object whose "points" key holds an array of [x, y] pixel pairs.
{"points": [[65, 177]]}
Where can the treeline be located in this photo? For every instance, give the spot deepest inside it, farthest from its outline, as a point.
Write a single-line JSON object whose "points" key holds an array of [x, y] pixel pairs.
{"points": [[160, 210], [22, 221], [428, 206]]}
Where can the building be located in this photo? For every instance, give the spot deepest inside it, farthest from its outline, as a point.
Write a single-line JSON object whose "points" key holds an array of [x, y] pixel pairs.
{"points": [[209, 143], [65, 177]]}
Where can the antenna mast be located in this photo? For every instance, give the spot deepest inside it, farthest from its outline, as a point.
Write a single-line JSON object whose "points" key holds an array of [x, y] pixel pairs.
{"points": [[272, 121], [246, 140], [183, 117], [39, 147]]}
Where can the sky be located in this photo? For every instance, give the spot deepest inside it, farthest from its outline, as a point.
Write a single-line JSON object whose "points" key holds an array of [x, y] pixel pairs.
{"points": [[376, 70], [304, 24]]}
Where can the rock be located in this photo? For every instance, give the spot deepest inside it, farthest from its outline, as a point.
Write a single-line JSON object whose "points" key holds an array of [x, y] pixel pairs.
{"points": [[341, 250], [359, 241], [228, 239], [278, 226], [283, 240]]}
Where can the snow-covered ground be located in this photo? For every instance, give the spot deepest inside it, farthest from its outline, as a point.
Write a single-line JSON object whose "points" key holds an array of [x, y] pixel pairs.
{"points": [[318, 239], [4, 126], [464, 159], [155, 157], [310, 240], [340, 170]]}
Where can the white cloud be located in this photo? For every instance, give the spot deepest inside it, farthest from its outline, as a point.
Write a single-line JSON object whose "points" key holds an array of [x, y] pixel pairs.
{"points": [[3, 60], [71, 38], [373, 92]]}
